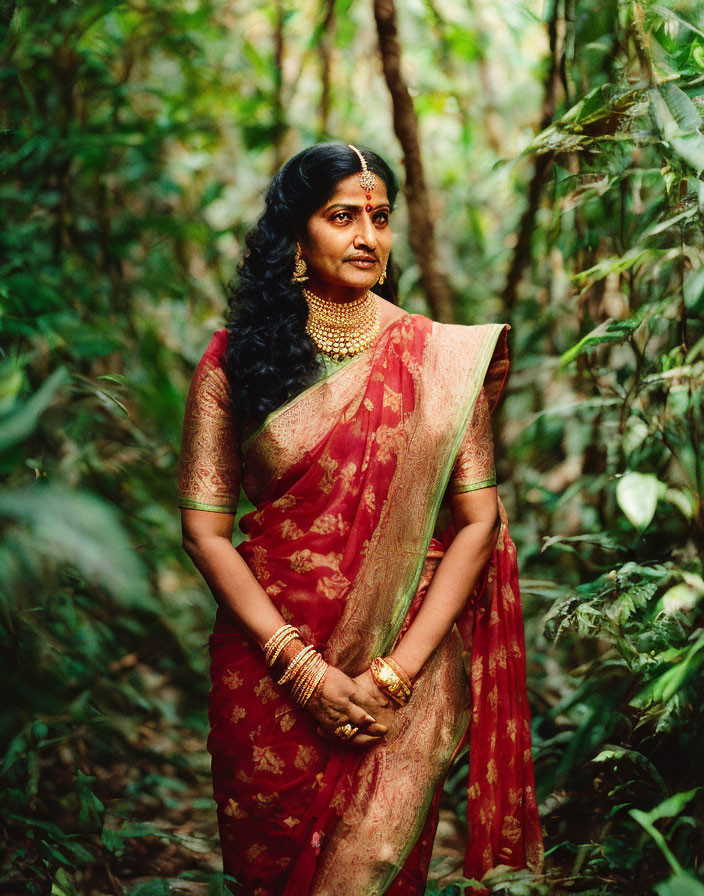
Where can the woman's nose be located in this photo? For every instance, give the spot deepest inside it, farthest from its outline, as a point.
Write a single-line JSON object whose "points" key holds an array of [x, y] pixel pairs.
{"points": [[366, 234]]}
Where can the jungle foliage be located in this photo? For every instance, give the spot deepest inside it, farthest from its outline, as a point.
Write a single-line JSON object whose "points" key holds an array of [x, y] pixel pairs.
{"points": [[566, 188]]}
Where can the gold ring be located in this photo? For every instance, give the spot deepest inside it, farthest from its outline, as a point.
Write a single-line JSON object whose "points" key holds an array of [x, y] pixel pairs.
{"points": [[345, 731]]}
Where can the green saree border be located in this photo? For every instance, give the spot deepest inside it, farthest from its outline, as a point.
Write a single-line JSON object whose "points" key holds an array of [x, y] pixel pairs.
{"points": [[190, 504], [474, 486], [483, 361]]}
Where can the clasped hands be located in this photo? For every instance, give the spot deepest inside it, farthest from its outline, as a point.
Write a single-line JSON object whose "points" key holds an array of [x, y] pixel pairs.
{"points": [[358, 701]]}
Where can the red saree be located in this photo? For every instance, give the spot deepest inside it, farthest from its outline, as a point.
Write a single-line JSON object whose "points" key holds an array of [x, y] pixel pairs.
{"points": [[350, 481]]}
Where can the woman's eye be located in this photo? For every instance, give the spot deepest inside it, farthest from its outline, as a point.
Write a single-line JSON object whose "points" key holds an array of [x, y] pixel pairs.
{"points": [[382, 218], [341, 216]]}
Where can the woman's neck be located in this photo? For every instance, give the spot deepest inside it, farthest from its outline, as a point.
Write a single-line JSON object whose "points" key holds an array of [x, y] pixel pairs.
{"points": [[333, 292]]}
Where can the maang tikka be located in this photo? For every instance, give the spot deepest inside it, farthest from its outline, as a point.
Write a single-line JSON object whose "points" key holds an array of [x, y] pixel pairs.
{"points": [[367, 178]]}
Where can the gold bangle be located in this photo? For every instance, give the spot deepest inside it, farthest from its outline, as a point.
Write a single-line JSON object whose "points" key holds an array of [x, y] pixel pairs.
{"points": [[402, 674], [276, 638], [317, 681], [388, 680], [290, 636], [300, 682], [305, 675], [295, 663]]}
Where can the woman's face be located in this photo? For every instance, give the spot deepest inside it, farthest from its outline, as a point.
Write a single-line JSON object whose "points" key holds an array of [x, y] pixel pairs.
{"points": [[345, 246]]}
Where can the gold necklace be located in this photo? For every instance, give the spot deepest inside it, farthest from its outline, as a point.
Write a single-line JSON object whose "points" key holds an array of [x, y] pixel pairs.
{"points": [[342, 329]]}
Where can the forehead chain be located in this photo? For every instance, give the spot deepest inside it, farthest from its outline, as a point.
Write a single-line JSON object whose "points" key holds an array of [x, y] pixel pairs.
{"points": [[367, 178]]}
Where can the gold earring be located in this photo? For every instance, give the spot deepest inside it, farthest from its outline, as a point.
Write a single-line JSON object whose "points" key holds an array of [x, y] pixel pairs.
{"points": [[300, 269], [382, 276]]}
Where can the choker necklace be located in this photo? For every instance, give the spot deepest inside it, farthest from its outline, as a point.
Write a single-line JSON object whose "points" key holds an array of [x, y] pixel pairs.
{"points": [[342, 329]]}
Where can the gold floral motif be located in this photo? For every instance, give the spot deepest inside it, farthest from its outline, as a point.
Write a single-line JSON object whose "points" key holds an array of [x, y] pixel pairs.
{"points": [[291, 531], [327, 481], [254, 851], [392, 400], [265, 760], [238, 713], [275, 588], [305, 756], [368, 404], [507, 594], [477, 673], [391, 440], [232, 680], [348, 474], [333, 587], [259, 567], [328, 523], [233, 810], [291, 822], [284, 502], [301, 561], [511, 829], [266, 690], [287, 722], [511, 728]]}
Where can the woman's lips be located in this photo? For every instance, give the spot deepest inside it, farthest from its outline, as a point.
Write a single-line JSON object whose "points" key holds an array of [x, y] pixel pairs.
{"points": [[363, 263]]}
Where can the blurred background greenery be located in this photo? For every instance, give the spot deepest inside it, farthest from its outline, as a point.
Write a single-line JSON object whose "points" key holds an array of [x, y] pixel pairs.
{"points": [[563, 159]]}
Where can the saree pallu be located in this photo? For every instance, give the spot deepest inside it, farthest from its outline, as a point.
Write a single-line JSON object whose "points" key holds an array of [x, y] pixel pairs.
{"points": [[349, 481]]}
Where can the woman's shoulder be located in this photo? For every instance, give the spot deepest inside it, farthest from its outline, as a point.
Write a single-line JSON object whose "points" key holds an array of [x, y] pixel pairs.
{"points": [[215, 349], [390, 312]]}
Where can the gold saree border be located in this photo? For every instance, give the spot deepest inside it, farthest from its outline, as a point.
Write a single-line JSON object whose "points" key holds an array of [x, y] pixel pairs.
{"points": [[483, 362], [329, 374]]}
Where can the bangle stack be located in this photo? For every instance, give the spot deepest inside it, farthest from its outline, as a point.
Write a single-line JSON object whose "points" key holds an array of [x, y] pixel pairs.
{"points": [[390, 678], [276, 643], [306, 670]]}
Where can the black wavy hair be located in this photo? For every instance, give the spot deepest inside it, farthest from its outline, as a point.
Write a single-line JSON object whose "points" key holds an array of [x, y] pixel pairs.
{"points": [[270, 358]]}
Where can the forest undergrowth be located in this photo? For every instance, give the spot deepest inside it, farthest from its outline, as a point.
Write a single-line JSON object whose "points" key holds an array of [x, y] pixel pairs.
{"points": [[123, 214]]}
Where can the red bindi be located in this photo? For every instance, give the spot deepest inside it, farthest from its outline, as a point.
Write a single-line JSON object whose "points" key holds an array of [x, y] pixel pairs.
{"points": [[368, 208]]}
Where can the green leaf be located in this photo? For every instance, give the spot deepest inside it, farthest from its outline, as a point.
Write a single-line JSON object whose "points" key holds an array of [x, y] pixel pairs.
{"points": [[21, 421], [80, 529], [608, 331], [637, 495], [680, 884], [679, 121], [91, 808]]}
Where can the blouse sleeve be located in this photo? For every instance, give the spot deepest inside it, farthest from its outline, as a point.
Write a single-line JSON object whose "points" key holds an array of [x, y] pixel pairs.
{"points": [[474, 467], [209, 464]]}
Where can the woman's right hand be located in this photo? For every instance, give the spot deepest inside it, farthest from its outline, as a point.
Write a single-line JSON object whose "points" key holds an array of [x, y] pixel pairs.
{"points": [[341, 700]]}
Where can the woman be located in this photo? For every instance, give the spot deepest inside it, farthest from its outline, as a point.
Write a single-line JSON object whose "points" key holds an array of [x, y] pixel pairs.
{"points": [[370, 624]]}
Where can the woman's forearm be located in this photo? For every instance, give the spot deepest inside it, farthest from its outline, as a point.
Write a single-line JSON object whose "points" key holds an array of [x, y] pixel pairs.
{"points": [[234, 586], [451, 585]]}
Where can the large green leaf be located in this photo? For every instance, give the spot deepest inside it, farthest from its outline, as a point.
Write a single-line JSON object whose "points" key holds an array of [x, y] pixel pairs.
{"points": [[637, 495], [679, 122], [78, 528]]}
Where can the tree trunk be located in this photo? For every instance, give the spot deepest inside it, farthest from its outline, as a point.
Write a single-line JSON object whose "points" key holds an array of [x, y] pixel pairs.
{"points": [[421, 230]]}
